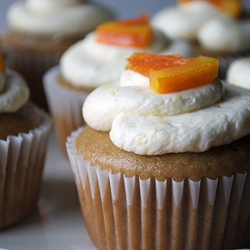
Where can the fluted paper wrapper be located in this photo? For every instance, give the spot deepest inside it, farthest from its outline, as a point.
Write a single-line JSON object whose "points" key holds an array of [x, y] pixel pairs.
{"points": [[65, 106], [130, 213], [32, 66], [21, 165]]}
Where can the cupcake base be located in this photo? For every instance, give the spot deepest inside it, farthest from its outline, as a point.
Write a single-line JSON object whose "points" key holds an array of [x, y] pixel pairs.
{"points": [[21, 165], [130, 213], [65, 106]]}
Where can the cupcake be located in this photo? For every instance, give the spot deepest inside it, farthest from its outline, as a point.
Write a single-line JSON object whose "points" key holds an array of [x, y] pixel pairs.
{"points": [[39, 31], [238, 72], [163, 162], [219, 29], [98, 59], [24, 132]]}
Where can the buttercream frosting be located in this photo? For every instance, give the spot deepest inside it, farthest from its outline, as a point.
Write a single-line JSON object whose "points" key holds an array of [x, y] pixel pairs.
{"points": [[225, 34], [147, 123], [14, 92], [56, 17], [90, 64], [184, 20], [238, 72], [199, 20]]}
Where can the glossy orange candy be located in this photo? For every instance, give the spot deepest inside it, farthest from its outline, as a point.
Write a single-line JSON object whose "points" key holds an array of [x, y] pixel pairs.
{"points": [[173, 73], [130, 33], [231, 7], [144, 62]]}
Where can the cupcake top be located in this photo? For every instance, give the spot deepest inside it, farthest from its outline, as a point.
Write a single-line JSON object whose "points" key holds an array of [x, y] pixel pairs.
{"points": [[101, 56], [14, 92], [17, 115], [56, 17], [238, 72], [215, 30], [169, 104]]}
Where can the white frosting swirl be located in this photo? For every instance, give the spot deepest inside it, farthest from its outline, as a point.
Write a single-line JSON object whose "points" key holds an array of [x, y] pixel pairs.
{"points": [[214, 30], [42, 6], [238, 72], [90, 64], [14, 93], [147, 123], [225, 34], [109, 100], [184, 20], [56, 17]]}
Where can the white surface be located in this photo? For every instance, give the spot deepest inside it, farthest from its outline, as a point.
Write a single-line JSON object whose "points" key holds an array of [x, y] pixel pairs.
{"points": [[56, 223]]}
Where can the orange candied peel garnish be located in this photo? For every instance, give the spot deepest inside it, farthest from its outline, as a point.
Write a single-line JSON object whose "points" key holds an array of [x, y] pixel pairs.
{"points": [[2, 64], [143, 63], [231, 7], [130, 33], [174, 73]]}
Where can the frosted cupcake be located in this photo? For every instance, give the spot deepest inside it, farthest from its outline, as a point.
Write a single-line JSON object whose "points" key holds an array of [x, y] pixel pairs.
{"points": [[164, 160], [222, 33], [24, 132], [41, 30], [238, 72], [97, 59]]}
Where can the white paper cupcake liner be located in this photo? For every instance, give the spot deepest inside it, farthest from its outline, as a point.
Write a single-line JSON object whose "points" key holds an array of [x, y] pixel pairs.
{"points": [[65, 106], [130, 213], [21, 165]]}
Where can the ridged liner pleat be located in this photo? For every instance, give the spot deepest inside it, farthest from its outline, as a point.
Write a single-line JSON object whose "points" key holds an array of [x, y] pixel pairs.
{"points": [[21, 165], [65, 106], [130, 213]]}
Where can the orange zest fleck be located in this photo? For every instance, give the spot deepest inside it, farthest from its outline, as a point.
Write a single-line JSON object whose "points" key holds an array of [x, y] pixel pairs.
{"points": [[173, 73], [129, 33], [231, 7], [2, 64]]}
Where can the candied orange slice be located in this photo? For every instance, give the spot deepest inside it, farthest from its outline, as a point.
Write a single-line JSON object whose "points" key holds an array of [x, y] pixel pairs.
{"points": [[2, 64], [143, 63], [194, 73], [174, 73], [231, 7], [130, 33]]}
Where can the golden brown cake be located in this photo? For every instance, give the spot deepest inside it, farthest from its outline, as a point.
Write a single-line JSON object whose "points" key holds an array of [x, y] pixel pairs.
{"points": [[158, 167], [27, 117], [217, 161]]}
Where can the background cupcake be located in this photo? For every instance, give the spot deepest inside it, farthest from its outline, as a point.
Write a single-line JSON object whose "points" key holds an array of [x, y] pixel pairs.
{"points": [[172, 174], [24, 131], [41, 30], [214, 29], [97, 59]]}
